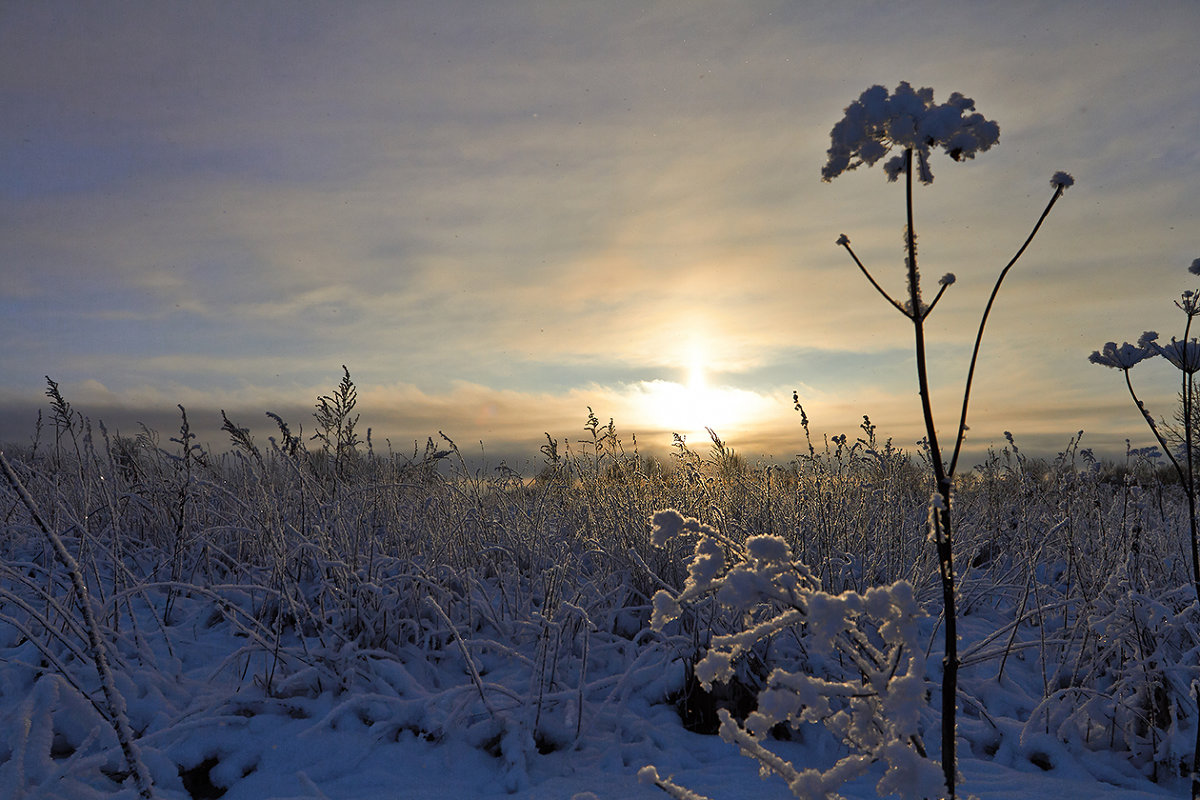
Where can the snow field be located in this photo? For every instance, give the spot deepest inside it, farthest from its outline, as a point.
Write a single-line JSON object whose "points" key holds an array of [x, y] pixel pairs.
{"points": [[405, 629]]}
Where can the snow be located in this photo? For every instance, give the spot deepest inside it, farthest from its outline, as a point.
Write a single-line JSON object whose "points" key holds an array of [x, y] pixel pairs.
{"points": [[1124, 356], [368, 746], [876, 122], [299, 669], [1062, 180]]}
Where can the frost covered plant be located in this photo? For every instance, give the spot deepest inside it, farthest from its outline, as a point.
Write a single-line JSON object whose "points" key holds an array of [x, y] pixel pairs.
{"points": [[909, 120], [1179, 445], [97, 649], [1184, 355], [862, 677]]}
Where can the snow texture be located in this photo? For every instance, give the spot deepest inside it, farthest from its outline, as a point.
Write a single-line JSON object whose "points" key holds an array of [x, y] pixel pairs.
{"points": [[911, 120], [542, 669]]}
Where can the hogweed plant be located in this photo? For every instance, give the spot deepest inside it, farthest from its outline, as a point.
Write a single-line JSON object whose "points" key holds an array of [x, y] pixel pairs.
{"points": [[1178, 443], [1184, 355], [910, 122]]}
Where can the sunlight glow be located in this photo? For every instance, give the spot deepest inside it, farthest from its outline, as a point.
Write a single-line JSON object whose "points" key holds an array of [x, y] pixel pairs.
{"points": [[696, 381], [691, 407]]}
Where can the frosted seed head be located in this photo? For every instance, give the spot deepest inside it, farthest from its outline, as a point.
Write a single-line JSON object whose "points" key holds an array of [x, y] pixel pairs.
{"points": [[1127, 355], [875, 123], [1062, 180], [1185, 356]]}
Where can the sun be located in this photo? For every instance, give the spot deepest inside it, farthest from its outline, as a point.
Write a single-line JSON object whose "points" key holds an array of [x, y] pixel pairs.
{"points": [[689, 408]]}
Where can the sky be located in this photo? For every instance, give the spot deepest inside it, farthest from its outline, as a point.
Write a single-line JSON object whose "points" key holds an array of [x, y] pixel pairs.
{"points": [[499, 215]]}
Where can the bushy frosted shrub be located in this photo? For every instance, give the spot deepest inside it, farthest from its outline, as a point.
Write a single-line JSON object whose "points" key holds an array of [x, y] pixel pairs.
{"points": [[861, 674]]}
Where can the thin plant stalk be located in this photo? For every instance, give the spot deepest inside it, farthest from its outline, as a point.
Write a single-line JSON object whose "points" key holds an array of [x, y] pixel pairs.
{"points": [[1190, 490], [940, 517], [1189, 385], [943, 532], [112, 696], [962, 420], [1184, 471]]}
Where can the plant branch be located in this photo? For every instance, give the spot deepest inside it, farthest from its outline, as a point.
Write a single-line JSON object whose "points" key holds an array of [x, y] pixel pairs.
{"points": [[962, 420], [936, 297], [846, 244]]}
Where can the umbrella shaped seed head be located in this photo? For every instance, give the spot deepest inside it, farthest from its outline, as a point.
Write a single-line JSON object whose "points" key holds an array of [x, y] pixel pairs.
{"points": [[909, 118], [1184, 355], [1127, 355]]}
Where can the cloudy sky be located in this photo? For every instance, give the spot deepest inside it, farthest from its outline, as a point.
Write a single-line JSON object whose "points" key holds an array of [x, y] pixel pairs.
{"points": [[499, 214]]}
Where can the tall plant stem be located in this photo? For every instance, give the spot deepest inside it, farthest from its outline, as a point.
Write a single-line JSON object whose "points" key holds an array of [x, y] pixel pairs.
{"points": [[918, 319], [941, 522], [1189, 398]]}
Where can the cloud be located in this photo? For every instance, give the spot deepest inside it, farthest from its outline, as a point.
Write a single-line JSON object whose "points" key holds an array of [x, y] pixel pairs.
{"points": [[558, 205]]}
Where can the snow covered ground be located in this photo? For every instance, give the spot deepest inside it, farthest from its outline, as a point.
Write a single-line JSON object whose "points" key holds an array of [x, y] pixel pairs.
{"points": [[368, 725], [434, 639]]}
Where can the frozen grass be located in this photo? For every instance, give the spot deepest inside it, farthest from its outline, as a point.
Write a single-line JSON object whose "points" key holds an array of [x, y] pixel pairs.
{"points": [[347, 595]]}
